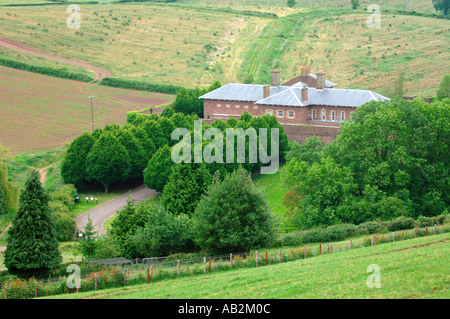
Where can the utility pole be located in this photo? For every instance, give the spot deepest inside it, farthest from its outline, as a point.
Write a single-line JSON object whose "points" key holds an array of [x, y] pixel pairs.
{"points": [[92, 111]]}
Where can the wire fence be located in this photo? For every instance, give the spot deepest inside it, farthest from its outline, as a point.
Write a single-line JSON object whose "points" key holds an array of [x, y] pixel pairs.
{"points": [[154, 269]]}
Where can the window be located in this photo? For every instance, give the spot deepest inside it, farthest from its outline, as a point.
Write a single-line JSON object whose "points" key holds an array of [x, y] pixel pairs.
{"points": [[291, 114], [237, 106], [255, 107], [342, 116], [245, 106], [219, 105], [333, 115], [323, 115], [270, 112], [280, 113], [228, 105], [313, 116]]}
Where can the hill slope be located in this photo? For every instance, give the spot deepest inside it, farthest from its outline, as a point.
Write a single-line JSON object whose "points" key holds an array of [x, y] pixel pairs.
{"points": [[416, 268]]}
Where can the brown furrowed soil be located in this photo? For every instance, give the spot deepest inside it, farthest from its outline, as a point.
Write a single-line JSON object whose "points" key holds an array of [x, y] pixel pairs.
{"points": [[41, 113]]}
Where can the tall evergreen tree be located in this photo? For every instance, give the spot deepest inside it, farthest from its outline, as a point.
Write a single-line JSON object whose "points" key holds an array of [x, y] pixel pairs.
{"points": [[32, 243], [73, 167], [185, 187], [108, 161]]}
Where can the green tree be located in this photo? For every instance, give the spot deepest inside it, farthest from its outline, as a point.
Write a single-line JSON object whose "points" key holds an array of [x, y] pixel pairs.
{"points": [[187, 100], [164, 234], [88, 243], [127, 221], [311, 151], [233, 216], [73, 166], [442, 5], [108, 161], [158, 169], [444, 88], [186, 185], [32, 244], [291, 3], [355, 4], [136, 152]]}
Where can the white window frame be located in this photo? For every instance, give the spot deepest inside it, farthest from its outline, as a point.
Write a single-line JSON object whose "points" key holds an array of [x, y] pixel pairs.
{"points": [[342, 115], [269, 111], [323, 115], [333, 115], [289, 114], [278, 113], [313, 114]]}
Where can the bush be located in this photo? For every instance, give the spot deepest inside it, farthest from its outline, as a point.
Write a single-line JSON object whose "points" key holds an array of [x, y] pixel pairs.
{"points": [[60, 73], [430, 221], [233, 216], [141, 86], [401, 223], [372, 227]]}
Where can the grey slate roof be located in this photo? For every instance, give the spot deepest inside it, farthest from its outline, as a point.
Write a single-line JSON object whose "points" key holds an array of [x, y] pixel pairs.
{"points": [[241, 92], [292, 96]]}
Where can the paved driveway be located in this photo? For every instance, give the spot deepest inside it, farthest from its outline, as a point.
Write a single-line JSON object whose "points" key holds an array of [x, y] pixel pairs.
{"points": [[102, 212]]}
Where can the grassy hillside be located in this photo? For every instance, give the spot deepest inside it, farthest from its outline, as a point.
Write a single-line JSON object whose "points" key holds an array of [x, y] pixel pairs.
{"points": [[355, 56], [416, 268], [160, 44], [280, 7], [193, 43]]}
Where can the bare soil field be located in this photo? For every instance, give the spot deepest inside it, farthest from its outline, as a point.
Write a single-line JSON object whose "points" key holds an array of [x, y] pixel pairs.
{"points": [[41, 113]]}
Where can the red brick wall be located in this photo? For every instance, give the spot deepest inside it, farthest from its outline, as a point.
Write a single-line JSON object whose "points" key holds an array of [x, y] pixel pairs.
{"points": [[301, 115]]}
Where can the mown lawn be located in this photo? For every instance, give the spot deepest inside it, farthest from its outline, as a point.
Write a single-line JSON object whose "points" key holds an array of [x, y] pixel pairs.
{"points": [[416, 268]]}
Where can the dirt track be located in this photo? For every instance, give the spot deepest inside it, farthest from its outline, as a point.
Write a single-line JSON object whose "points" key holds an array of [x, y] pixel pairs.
{"points": [[100, 73]]}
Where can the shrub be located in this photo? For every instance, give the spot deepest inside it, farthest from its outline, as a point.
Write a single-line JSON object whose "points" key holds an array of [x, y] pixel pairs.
{"points": [[60, 73], [401, 223], [372, 227], [141, 86]]}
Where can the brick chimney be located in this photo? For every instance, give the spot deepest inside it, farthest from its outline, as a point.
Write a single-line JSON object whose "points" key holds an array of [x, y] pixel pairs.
{"points": [[320, 80], [306, 70], [276, 79], [266, 91], [304, 94]]}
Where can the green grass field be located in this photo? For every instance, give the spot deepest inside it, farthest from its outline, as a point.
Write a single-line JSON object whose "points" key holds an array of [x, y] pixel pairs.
{"points": [[195, 42], [414, 269]]}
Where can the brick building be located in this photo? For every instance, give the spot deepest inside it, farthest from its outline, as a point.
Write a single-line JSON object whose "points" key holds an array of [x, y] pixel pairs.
{"points": [[306, 99]]}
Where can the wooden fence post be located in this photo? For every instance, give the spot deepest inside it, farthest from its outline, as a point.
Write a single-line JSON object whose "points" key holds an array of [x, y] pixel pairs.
{"points": [[35, 289], [393, 236], [204, 265], [267, 258], [231, 260], [95, 281], [178, 267], [279, 255], [415, 232], [435, 229], [6, 292], [426, 231], [328, 248], [256, 257], [320, 249], [148, 275], [351, 245], [304, 252]]}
